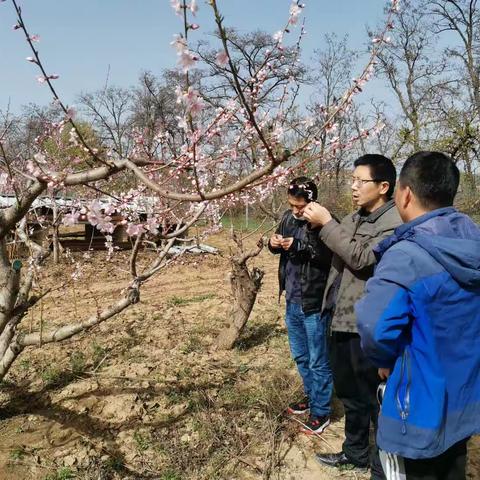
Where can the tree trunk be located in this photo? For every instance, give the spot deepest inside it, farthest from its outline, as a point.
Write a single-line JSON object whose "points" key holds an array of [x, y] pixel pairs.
{"points": [[9, 289], [245, 287]]}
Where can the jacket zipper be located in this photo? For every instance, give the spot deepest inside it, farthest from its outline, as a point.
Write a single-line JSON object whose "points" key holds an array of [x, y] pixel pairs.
{"points": [[404, 408]]}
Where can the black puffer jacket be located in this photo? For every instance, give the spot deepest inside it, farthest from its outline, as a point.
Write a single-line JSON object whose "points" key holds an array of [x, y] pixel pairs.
{"points": [[308, 251]]}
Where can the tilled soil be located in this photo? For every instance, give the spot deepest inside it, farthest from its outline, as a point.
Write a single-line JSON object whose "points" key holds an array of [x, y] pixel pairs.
{"points": [[147, 395]]}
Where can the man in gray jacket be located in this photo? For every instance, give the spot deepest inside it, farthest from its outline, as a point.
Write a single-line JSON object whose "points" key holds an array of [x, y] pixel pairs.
{"points": [[355, 378]]}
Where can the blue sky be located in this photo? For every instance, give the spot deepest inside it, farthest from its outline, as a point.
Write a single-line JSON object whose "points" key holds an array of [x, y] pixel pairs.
{"points": [[83, 41]]}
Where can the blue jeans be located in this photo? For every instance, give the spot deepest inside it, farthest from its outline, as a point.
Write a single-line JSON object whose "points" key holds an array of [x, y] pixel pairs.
{"points": [[307, 335]]}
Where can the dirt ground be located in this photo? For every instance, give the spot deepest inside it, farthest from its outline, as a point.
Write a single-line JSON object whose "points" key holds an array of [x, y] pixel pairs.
{"points": [[146, 395]]}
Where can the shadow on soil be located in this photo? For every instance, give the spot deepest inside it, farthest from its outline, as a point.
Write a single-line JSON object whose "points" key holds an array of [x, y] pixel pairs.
{"points": [[103, 432], [256, 335]]}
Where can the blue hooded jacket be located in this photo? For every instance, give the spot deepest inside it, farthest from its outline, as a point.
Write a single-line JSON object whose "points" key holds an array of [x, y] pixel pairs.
{"points": [[420, 316]]}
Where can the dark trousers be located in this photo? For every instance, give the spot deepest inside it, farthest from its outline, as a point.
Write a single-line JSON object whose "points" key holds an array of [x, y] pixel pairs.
{"points": [[356, 380], [450, 465]]}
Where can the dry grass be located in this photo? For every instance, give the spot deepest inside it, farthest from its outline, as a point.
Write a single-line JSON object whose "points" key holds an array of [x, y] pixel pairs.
{"points": [[147, 396]]}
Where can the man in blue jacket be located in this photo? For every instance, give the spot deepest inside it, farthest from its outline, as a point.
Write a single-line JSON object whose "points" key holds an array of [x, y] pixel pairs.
{"points": [[419, 322]]}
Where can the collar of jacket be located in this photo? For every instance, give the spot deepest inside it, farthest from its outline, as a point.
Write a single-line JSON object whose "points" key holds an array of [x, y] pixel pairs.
{"points": [[373, 217], [407, 230]]}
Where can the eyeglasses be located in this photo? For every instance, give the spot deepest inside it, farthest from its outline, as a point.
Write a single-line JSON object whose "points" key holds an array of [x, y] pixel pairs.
{"points": [[360, 181]]}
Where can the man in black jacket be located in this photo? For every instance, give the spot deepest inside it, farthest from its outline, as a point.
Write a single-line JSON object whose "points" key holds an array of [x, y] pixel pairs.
{"points": [[303, 271]]}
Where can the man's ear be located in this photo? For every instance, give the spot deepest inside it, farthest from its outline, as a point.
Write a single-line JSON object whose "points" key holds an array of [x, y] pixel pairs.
{"points": [[384, 188], [407, 197]]}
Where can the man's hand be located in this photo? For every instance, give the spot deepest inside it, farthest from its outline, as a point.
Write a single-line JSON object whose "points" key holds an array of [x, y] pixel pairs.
{"points": [[276, 240], [317, 215], [287, 243], [383, 373]]}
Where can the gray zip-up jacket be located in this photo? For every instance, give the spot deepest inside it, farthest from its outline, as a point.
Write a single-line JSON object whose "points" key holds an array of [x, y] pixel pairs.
{"points": [[352, 243]]}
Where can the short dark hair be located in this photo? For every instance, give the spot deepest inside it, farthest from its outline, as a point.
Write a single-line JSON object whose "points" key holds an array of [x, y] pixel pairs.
{"points": [[382, 169], [433, 178], [303, 187]]}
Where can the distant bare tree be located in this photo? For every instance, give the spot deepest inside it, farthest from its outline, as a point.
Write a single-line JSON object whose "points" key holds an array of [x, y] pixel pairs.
{"points": [[460, 20], [155, 110], [415, 74], [250, 53], [109, 112]]}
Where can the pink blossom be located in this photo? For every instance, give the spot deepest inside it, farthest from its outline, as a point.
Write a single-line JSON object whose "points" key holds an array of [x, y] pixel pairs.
{"points": [[193, 101], [194, 26], [72, 136], [309, 122], [179, 93], [16, 26], [42, 79], [182, 123], [221, 59], [134, 230], [331, 127], [278, 36], [187, 60], [152, 225], [194, 7], [179, 43], [109, 209], [94, 212], [105, 225], [71, 219], [33, 169], [177, 6], [380, 40], [34, 38], [196, 106], [295, 11], [71, 112]]}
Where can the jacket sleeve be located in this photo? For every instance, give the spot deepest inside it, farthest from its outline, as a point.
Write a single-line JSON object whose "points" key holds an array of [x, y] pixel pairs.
{"points": [[384, 312], [356, 254], [311, 248]]}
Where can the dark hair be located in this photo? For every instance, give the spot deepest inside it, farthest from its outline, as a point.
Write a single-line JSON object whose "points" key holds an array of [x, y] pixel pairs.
{"points": [[381, 169], [433, 178], [303, 187]]}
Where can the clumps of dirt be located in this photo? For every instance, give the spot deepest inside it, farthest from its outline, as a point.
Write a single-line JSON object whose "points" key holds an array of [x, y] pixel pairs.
{"points": [[147, 395]]}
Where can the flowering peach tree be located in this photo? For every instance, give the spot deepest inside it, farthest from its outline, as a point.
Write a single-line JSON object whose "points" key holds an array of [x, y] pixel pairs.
{"points": [[231, 149]]}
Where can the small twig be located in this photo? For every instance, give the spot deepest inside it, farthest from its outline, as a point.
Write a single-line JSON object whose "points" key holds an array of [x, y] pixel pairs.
{"points": [[318, 435], [250, 464], [100, 363], [133, 256], [256, 230]]}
